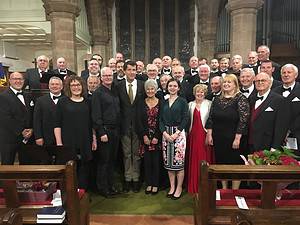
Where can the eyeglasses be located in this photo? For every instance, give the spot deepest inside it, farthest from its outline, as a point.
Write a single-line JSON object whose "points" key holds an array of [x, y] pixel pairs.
{"points": [[18, 79], [75, 85], [104, 75], [260, 81]]}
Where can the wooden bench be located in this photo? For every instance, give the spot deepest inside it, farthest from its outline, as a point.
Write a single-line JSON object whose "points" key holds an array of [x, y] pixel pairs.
{"points": [[206, 212], [11, 217], [77, 209]]}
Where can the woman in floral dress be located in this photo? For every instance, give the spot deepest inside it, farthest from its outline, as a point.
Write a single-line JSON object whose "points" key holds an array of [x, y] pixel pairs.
{"points": [[173, 122], [150, 136]]}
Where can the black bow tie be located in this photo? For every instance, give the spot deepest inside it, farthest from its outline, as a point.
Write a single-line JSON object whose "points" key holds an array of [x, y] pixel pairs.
{"points": [[194, 71], [167, 70], [216, 93], [19, 93], [63, 71], [245, 91], [203, 82], [56, 97], [289, 89], [259, 98]]}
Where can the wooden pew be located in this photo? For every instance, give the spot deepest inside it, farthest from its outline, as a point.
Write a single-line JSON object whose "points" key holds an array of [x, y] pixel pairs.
{"points": [[207, 213], [11, 217], [77, 210]]}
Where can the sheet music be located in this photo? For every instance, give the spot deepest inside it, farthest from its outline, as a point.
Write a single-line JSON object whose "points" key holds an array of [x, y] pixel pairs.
{"points": [[241, 202], [291, 143], [218, 195]]}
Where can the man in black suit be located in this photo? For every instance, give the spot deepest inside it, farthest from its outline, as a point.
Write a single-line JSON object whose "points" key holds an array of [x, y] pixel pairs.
{"points": [[247, 82], [140, 73], [214, 68], [131, 93], [119, 75], [38, 78], [263, 54], [203, 78], [215, 86], [93, 83], [166, 65], [85, 73], [193, 70], [44, 110], [93, 69], [290, 90], [224, 66], [268, 67], [178, 74], [252, 61], [62, 72], [269, 116], [106, 120], [15, 119]]}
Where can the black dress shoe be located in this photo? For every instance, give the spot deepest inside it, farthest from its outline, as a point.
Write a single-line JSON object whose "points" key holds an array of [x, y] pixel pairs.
{"points": [[148, 190], [136, 187], [126, 186], [176, 198], [154, 192], [169, 195]]}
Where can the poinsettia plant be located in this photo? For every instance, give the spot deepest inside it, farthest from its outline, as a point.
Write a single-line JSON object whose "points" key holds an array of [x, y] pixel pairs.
{"points": [[274, 157]]}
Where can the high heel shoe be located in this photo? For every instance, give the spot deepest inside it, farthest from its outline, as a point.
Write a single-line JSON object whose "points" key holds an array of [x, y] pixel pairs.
{"points": [[176, 198], [169, 195]]}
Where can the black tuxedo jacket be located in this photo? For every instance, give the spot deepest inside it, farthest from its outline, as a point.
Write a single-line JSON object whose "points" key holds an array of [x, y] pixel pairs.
{"points": [[271, 124], [85, 74], [43, 119], [14, 116], [188, 74], [294, 102], [129, 112], [275, 84], [34, 80], [62, 76]]}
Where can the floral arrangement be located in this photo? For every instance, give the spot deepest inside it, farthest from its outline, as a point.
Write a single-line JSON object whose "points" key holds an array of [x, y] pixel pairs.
{"points": [[274, 157]]}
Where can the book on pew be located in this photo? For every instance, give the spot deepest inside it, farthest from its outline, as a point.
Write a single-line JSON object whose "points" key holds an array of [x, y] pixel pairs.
{"points": [[50, 221], [56, 212]]}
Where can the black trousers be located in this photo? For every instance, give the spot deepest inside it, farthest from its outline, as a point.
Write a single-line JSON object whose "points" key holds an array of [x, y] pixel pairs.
{"points": [[106, 158], [8, 153], [152, 167]]}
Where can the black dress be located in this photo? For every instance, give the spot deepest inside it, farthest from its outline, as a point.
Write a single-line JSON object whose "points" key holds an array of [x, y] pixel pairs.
{"points": [[74, 119], [229, 116]]}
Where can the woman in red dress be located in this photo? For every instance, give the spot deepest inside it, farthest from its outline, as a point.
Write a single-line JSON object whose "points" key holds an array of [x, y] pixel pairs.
{"points": [[198, 150]]}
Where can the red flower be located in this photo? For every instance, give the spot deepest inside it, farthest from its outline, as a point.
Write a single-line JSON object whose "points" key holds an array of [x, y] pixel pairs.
{"points": [[287, 160]]}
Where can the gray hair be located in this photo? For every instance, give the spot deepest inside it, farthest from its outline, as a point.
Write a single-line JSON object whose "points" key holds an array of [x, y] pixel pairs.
{"points": [[248, 70], [150, 83], [55, 78], [295, 68]]}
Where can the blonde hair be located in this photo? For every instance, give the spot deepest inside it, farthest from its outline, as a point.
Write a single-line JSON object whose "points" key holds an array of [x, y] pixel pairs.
{"points": [[234, 79], [201, 87]]}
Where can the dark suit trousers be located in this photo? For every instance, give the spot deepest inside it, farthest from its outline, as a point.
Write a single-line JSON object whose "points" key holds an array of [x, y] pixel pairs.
{"points": [[8, 153], [152, 167], [107, 154]]}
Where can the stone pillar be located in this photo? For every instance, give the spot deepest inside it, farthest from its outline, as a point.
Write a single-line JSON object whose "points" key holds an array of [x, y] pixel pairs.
{"points": [[62, 15], [99, 19], [208, 17], [243, 25]]}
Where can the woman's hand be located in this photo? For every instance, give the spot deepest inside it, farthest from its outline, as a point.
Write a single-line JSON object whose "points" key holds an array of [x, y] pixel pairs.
{"points": [[236, 141], [94, 145], [209, 139], [154, 141], [167, 136], [146, 140], [104, 138], [174, 136]]}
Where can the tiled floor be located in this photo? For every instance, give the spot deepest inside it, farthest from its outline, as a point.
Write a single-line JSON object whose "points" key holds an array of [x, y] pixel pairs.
{"points": [[140, 220]]}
